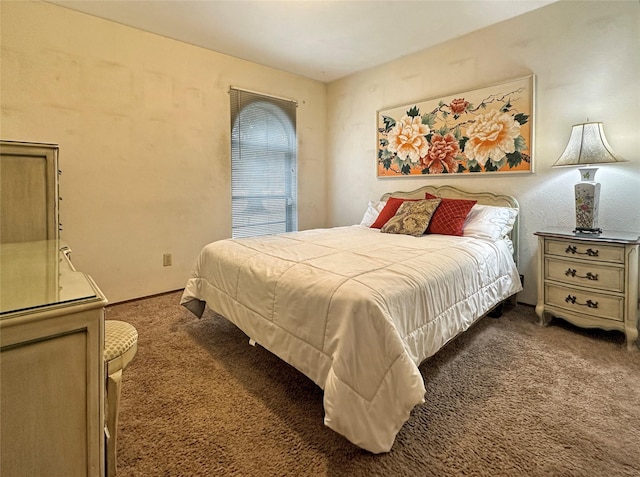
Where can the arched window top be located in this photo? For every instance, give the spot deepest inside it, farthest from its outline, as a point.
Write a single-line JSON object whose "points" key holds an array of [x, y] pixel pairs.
{"points": [[260, 121]]}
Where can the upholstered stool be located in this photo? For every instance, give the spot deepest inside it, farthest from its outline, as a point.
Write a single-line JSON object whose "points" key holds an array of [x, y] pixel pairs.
{"points": [[120, 346]]}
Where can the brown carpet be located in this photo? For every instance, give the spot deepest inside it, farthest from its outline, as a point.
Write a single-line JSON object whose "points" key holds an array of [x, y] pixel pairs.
{"points": [[507, 398]]}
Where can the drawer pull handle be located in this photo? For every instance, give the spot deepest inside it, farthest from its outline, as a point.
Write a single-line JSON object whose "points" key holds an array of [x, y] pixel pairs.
{"points": [[572, 272], [573, 300], [589, 252]]}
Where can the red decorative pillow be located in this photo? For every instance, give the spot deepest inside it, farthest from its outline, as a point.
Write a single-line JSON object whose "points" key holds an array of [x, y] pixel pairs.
{"points": [[388, 211], [449, 217]]}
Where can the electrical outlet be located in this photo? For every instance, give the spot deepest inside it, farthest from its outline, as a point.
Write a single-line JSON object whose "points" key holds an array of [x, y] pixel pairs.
{"points": [[166, 260]]}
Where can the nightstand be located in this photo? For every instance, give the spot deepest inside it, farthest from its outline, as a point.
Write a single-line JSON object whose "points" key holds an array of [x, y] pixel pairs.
{"points": [[589, 280]]}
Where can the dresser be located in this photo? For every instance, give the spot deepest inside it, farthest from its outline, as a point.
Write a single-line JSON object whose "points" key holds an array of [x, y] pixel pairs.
{"points": [[51, 364], [589, 280]]}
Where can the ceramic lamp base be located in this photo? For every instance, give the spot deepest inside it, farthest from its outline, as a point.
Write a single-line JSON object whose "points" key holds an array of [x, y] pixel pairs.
{"points": [[587, 202]]}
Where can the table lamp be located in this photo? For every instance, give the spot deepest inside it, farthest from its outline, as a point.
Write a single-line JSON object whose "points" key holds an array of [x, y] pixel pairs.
{"points": [[587, 148]]}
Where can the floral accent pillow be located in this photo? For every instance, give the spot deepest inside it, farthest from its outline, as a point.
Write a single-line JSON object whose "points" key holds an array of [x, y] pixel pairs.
{"points": [[412, 218]]}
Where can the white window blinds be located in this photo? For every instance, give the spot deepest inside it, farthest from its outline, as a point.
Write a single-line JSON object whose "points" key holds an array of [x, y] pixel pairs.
{"points": [[263, 164]]}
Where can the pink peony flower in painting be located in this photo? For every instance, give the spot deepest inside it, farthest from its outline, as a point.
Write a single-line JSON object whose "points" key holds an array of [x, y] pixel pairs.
{"points": [[407, 139], [458, 106], [442, 154], [491, 136]]}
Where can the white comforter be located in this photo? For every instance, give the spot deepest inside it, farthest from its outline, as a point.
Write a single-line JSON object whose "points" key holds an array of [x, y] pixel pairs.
{"points": [[355, 310]]}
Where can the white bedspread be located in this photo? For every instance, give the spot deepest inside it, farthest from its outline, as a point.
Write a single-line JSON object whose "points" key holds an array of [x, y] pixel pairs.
{"points": [[355, 310]]}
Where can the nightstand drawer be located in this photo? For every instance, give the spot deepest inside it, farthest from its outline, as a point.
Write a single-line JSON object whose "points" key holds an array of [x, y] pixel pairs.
{"points": [[586, 250], [593, 275], [585, 302]]}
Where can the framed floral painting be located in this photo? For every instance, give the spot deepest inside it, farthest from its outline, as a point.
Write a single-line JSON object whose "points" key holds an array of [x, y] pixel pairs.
{"points": [[484, 131]]}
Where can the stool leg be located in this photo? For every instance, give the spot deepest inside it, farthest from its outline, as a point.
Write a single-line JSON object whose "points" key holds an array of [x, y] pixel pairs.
{"points": [[114, 383]]}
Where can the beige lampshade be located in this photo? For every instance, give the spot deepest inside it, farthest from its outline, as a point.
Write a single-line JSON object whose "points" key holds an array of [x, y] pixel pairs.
{"points": [[587, 145]]}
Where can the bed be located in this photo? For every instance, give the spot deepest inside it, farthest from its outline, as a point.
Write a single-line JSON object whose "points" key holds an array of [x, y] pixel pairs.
{"points": [[357, 310]]}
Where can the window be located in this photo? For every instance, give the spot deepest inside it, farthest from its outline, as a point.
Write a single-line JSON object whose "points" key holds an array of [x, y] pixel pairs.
{"points": [[263, 165]]}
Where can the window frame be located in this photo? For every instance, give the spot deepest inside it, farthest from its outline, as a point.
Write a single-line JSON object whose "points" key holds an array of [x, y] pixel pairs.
{"points": [[272, 121]]}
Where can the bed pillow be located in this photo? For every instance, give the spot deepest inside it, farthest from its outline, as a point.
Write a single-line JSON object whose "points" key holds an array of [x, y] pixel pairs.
{"points": [[450, 215], [489, 222], [389, 210], [372, 212], [412, 218]]}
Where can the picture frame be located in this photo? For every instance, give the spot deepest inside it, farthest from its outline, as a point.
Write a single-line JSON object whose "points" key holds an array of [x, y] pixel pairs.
{"points": [[478, 132]]}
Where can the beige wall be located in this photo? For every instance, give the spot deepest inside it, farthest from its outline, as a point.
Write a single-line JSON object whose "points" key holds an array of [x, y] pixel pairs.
{"points": [[585, 58], [143, 127]]}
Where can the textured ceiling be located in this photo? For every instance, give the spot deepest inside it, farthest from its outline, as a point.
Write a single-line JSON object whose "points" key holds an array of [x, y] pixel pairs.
{"points": [[322, 40]]}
